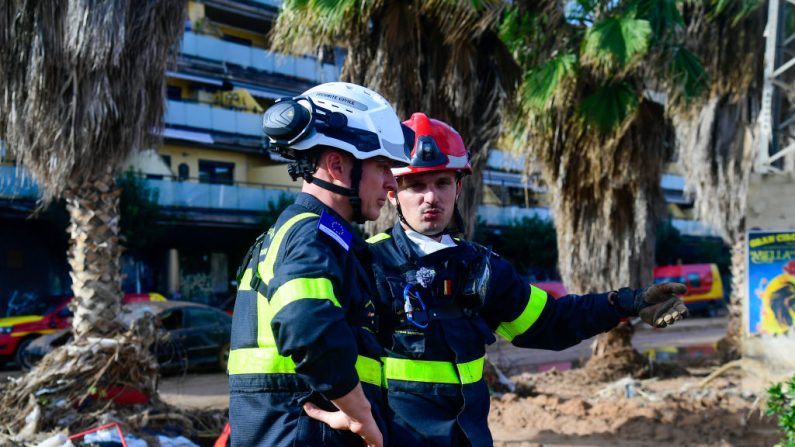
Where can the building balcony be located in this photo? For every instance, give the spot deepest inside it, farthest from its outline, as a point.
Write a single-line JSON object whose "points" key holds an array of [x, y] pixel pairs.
{"points": [[207, 117], [217, 50], [250, 197], [506, 215], [694, 228], [209, 196], [273, 3], [16, 184]]}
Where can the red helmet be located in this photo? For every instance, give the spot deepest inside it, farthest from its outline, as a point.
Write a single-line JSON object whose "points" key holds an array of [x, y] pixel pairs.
{"points": [[789, 267], [437, 147]]}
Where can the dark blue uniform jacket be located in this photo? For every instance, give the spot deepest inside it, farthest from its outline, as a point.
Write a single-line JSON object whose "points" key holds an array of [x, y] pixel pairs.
{"points": [[436, 393], [303, 330]]}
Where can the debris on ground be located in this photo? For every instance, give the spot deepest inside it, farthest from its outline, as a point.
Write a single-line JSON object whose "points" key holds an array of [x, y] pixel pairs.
{"points": [[572, 408], [96, 381]]}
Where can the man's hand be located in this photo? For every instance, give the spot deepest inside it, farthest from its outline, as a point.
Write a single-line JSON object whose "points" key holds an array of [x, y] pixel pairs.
{"points": [[658, 305], [355, 415]]}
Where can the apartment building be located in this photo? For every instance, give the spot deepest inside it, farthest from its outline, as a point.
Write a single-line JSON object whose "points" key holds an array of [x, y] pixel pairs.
{"points": [[212, 175]]}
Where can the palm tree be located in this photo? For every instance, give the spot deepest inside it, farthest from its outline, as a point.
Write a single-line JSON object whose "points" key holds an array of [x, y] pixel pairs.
{"points": [[717, 133], [82, 86], [435, 56], [589, 113]]}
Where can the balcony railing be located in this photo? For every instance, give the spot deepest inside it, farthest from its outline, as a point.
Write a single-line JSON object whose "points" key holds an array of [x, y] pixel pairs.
{"points": [[212, 48], [191, 194], [274, 3], [505, 215], [172, 193], [203, 116], [16, 184], [242, 196]]}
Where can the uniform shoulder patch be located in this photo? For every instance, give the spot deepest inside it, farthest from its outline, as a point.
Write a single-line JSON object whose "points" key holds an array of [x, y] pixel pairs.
{"points": [[335, 229]]}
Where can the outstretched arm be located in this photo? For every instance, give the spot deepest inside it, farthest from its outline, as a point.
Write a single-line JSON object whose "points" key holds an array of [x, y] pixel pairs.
{"points": [[527, 317]]}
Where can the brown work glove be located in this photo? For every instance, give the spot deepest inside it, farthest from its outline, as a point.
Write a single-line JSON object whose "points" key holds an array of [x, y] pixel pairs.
{"points": [[658, 305]]}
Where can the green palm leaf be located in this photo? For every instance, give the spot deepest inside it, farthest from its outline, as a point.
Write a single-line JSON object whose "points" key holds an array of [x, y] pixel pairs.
{"points": [[541, 83], [663, 16], [609, 106], [614, 43], [738, 9], [688, 72]]}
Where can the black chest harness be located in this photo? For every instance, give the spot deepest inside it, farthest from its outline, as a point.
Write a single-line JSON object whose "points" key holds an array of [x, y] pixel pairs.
{"points": [[448, 284]]}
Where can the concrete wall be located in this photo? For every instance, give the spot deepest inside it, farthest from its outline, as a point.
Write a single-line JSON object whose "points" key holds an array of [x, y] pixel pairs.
{"points": [[771, 206]]}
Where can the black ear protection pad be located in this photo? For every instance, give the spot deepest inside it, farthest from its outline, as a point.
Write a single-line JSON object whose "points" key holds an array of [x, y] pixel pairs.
{"points": [[285, 120]]}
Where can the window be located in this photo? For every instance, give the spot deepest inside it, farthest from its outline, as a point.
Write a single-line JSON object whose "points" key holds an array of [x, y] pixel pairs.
{"points": [[201, 317], [173, 92], [216, 172], [171, 319], [183, 171]]}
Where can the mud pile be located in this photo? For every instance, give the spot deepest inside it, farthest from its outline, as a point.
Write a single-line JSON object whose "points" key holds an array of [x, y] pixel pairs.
{"points": [[571, 408]]}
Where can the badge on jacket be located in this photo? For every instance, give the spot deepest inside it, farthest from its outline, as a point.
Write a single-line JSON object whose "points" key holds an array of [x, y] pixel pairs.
{"points": [[335, 229]]}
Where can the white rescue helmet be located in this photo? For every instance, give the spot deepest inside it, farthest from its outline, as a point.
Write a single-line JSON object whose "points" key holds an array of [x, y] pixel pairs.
{"points": [[341, 115]]}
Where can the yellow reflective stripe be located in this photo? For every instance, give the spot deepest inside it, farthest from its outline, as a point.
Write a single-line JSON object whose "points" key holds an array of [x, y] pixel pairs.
{"points": [[259, 361], [265, 267], [302, 288], [369, 370], [378, 238], [471, 372], [268, 361], [299, 288], [264, 316], [535, 304], [245, 281], [265, 272], [431, 371]]}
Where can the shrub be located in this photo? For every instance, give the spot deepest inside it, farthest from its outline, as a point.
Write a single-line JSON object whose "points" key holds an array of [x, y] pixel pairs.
{"points": [[781, 403]]}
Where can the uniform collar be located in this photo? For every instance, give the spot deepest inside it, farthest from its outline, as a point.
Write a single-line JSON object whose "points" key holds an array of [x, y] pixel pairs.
{"points": [[406, 245], [426, 245]]}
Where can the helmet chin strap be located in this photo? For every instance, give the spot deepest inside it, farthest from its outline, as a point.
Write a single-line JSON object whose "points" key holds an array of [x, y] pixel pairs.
{"points": [[305, 170]]}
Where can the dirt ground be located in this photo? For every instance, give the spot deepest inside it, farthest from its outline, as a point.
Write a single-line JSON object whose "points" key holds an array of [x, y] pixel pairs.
{"points": [[565, 409], [556, 408]]}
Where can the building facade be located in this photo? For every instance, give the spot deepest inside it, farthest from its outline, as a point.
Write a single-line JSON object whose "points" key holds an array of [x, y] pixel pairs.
{"points": [[214, 180]]}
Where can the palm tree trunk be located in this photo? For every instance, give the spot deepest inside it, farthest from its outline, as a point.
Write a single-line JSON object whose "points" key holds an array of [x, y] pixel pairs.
{"points": [[94, 254], [472, 194], [606, 202], [730, 346], [717, 146]]}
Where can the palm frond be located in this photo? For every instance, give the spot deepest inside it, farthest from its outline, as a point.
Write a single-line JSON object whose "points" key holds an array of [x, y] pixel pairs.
{"points": [[736, 9], [303, 26], [541, 83], [663, 16], [688, 73], [609, 106], [83, 83], [616, 43]]}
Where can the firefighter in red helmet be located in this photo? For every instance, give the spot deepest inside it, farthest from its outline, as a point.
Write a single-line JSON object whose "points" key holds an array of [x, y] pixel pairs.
{"points": [[442, 299]]}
